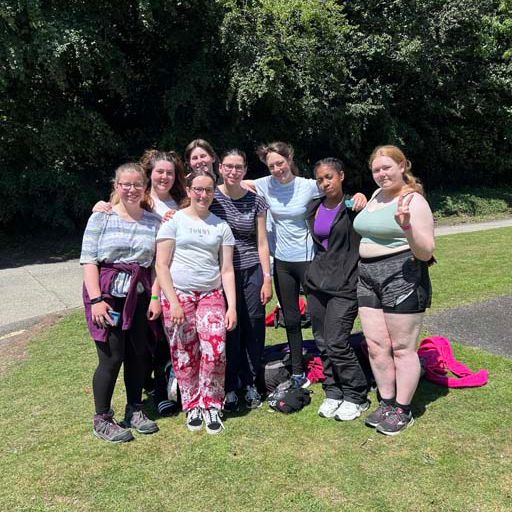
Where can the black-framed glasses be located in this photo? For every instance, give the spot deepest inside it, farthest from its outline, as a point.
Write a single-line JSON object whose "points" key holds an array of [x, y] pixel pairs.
{"points": [[199, 190]]}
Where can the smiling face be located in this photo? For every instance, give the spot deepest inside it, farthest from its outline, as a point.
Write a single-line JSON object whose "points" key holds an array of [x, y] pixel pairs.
{"points": [[201, 159], [388, 174], [162, 177], [279, 167], [201, 192], [232, 169], [329, 180], [130, 187]]}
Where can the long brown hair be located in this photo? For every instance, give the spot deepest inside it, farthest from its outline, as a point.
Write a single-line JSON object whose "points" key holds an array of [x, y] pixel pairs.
{"points": [[148, 162], [281, 148]]}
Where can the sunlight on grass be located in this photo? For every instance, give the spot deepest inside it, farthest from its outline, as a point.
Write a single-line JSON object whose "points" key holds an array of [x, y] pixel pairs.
{"points": [[457, 457]]}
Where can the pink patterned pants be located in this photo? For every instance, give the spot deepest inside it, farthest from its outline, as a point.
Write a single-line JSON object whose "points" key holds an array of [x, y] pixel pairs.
{"points": [[198, 348]]}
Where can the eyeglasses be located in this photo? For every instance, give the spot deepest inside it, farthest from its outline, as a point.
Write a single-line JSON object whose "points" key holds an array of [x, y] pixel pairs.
{"points": [[127, 186], [199, 190], [230, 167]]}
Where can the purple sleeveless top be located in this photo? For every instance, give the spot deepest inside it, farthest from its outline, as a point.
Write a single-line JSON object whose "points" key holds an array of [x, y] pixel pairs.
{"points": [[323, 222]]}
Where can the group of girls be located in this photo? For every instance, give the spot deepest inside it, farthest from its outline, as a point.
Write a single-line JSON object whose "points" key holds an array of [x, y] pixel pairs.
{"points": [[213, 279]]}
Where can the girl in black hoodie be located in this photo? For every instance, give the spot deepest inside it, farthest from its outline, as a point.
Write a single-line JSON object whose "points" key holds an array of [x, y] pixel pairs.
{"points": [[330, 285]]}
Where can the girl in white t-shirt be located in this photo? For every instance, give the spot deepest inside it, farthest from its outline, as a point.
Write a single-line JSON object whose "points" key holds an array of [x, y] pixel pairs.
{"points": [[194, 265], [287, 196]]}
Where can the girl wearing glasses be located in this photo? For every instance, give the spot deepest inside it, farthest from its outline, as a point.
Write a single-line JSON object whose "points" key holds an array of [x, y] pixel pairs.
{"points": [[117, 253], [166, 174], [245, 213], [194, 264]]}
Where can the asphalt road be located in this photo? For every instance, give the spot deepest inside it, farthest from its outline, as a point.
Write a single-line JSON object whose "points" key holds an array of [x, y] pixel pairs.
{"points": [[30, 292]]}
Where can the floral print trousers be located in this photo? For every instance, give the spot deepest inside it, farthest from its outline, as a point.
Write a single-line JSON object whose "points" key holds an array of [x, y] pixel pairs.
{"points": [[198, 348]]}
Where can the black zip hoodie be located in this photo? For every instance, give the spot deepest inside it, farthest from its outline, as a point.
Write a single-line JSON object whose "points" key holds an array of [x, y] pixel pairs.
{"points": [[334, 271]]}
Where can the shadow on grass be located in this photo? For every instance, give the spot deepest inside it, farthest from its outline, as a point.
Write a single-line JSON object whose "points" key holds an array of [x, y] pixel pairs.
{"points": [[426, 393]]}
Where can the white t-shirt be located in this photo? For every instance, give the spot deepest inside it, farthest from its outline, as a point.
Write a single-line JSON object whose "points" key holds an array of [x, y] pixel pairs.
{"points": [[195, 263], [160, 207], [288, 204]]}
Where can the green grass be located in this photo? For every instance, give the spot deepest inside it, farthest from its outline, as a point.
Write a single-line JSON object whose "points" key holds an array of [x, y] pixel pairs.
{"points": [[457, 457]]}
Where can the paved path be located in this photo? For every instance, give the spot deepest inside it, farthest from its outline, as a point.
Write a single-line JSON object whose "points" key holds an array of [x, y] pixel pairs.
{"points": [[30, 292]]}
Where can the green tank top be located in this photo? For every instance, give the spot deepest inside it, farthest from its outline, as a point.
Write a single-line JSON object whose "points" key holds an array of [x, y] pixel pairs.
{"points": [[379, 227]]}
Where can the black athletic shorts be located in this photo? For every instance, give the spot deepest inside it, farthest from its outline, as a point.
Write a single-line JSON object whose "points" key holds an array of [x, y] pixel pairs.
{"points": [[395, 283]]}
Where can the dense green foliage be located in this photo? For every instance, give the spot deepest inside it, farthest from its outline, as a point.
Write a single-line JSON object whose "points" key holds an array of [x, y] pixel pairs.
{"points": [[87, 85]]}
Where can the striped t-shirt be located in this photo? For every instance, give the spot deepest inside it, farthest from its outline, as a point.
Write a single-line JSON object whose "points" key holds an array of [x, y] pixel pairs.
{"points": [[241, 214], [288, 204], [110, 239]]}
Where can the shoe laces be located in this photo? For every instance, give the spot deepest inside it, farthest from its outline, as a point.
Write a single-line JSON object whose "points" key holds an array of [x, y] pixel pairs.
{"points": [[194, 413], [396, 415], [213, 415], [108, 425]]}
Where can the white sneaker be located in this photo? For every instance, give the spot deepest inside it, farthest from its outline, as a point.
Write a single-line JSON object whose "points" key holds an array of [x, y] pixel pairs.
{"points": [[212, 419], [195, 419], [329, 407], [349, 411]]}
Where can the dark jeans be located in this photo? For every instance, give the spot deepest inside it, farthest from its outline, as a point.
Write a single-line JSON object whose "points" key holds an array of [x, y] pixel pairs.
{"points": [[288, 277], [245, 343], [122, 347], [332, 319]]}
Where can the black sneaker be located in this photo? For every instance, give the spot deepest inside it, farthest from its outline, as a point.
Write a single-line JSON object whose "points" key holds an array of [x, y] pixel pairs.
{"points": [[168, 408], [377, 416], [212, 419], [252, 398], [104, 427], [194, 419], [231, 402], [134, 417], [396, 421]]}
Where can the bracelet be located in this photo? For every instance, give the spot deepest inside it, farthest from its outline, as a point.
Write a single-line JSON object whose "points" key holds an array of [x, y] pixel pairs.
{"points": [[405, 228], [97, 300], [155, 297], [266, 275]]}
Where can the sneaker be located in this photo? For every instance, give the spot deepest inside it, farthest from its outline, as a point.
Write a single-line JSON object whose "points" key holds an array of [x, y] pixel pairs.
{"points": [[377, 416], [231, 402], [134, 417], [348, 411], [194, 419], [396, 421], [299, 381], [105, 427], [252, 398], [167, 408], [329, 407], [212, 419]]}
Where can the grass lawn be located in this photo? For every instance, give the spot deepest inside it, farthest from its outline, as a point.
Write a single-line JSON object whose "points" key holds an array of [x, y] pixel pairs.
{"points": [[457, 456]]}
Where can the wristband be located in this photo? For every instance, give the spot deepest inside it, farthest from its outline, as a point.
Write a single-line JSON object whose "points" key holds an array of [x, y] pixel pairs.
{"points": [[97, 300], [155, 297], [265, 275], [405, 228]]}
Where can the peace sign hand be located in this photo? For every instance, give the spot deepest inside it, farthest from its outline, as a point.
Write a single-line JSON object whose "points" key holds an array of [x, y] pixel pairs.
{"points": [[403, 215]]}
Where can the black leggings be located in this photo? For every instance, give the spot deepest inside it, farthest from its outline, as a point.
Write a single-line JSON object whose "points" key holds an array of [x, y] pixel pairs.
{"points": [[288, 276], [128, 347]]}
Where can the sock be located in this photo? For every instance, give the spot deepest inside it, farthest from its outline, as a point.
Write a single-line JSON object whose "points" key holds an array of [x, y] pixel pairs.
{"points": [[405, 408], [389, 401]]}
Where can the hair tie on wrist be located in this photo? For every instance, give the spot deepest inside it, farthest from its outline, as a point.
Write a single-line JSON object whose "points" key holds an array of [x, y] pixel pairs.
{"points": [[155, 297]]}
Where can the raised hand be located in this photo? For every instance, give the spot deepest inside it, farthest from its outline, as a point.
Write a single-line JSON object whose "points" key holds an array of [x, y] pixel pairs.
{"points": [[403, 215]]}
